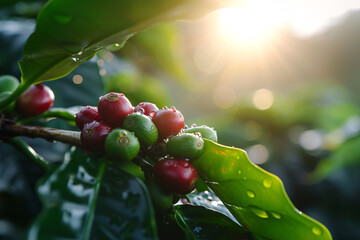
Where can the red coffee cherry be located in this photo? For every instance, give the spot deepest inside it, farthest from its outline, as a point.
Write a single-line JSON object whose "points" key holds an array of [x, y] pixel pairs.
{"points": [[175, 175], [36, 100], [113, 108], [146, 108], [86, 115], [93, 136], [169, 122]]}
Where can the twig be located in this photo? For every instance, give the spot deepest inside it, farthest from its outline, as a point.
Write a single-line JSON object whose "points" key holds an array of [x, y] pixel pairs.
{"points": [[9, 129]]}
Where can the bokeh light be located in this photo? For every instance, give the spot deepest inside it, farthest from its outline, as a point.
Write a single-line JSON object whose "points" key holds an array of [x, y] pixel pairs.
{"points": [[263, 99], [258, 154]]}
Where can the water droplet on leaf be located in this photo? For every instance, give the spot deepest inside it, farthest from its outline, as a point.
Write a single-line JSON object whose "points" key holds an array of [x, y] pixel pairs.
{"points": [[267, 183], [316, 230], [251, 194], [259, 212], [276, 215]]}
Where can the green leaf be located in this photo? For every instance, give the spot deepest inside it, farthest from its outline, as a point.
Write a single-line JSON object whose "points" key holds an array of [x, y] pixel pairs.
{"points": [[346, 155], [202, 223], [87, 198], [256, 198], [69, 32]]}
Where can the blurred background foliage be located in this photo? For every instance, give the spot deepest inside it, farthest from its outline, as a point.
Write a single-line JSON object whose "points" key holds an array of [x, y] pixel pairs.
{"points": [[291, 102]]}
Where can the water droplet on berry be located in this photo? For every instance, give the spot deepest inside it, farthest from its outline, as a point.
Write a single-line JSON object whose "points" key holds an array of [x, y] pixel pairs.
{"points": [[193, 125], [165, 108], [122, 133], [152, 114], [122, 95], [141, 110], [141, 104], [186, 127], [198, 134], [251, 194], [173, 109]]}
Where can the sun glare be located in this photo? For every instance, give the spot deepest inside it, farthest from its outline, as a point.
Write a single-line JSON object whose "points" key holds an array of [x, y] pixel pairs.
{"points": [[250, 25]]}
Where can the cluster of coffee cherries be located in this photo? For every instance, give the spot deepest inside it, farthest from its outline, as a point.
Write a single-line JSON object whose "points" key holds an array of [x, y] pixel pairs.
{"points": [[121, 132]]}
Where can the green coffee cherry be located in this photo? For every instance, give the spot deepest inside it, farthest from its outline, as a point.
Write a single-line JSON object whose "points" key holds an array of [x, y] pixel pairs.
{"points": [[8, 83], [185, 146], [160, 199], [143, 128], [11, 106], [132, 169], [121, 145], [205, 131]]}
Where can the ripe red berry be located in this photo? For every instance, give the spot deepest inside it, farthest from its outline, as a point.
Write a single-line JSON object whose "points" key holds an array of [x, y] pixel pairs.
{"points": [[176, 176], [169, 122], [93, 136], [36, 100], [113, 108], [146, 108], [87, 115]]}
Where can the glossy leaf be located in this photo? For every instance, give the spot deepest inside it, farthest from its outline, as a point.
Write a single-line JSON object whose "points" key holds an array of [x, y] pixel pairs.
{"points": [[69, 33], [202, 223], [346, 155], [86, 198], [256, 198]]}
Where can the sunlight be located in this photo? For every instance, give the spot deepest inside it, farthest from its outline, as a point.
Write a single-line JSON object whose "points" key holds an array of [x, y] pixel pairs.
{"points": [[251, 25]]}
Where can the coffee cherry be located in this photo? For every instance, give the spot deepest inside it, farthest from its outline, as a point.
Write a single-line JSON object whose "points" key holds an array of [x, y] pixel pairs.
{"points": [[205, 131], [169, 122], [121, 145], [143, 128], [185, 146], [93, 136], [175, 175], [161, 200], [86, 115], [113, 108], [8, 83], [146, 108], [36, 100]]}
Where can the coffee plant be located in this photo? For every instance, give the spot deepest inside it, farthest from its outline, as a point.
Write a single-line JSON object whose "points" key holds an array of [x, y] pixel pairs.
{"points": [[132, 171]]}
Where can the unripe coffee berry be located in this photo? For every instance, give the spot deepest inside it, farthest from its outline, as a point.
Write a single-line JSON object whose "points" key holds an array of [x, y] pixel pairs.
{"points": [[121, 145], [36, 100], [113, 108], [205, 131], [87, 115], [93, 136], [169, 122], [143, 128], [8, 83], [146, 108], [185, 146], [175, 176]]}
